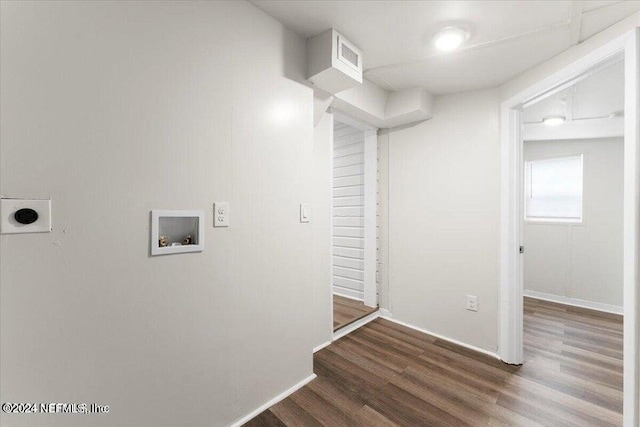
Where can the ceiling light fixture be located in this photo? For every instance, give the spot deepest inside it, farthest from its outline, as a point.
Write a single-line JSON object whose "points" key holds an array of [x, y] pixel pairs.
{"points": [[554, 120], [450, 38]]}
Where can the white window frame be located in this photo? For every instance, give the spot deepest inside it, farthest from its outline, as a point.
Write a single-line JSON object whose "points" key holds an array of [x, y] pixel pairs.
{"points": [[527, 192]]}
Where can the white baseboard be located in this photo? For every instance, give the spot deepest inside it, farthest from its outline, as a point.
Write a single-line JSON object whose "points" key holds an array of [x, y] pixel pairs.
{"points": [[355, 325], [442, 337], [240, 421], [349, 293], [386, 314], [321, 346], [598, 306]]}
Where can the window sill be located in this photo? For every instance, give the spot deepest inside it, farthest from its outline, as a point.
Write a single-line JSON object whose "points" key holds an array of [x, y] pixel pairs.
{"points": [[554, 221]]}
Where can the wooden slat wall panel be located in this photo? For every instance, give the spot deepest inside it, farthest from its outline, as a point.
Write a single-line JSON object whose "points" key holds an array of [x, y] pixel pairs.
{"points": [[342, 282], [348, 221], [348, 232], [348, 201], [348, 262], [348, 181], [348, 242], [344, 131], [352, 190], [348, 171], [348, 212], [345, 142], [349, 253], [348, 273], [351, 159], [348, 150]]}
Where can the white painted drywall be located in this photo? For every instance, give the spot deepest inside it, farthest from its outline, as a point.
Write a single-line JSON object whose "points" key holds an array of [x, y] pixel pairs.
{"points": [[581, 261], [113, 109], [444, 217], [322, 185], [365, 102], [348, 256], [378, 108], [408, 106]]}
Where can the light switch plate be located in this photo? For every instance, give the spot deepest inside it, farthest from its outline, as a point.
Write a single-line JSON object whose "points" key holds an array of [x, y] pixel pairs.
{"points": [[221, 214], [8, 223], [304, 212]]}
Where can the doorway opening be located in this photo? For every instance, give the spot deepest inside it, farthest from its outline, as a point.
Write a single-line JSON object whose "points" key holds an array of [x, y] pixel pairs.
{"points": [[354, 204], [511, 331], [572, 205]]}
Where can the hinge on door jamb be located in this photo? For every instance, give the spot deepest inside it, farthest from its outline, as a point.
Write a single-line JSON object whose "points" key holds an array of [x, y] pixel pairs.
{"points": [[521, 249]]}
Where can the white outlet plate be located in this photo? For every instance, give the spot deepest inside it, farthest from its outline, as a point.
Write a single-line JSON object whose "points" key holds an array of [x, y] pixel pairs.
{"points": [[472, 303], [8, 223], [221, 214]]}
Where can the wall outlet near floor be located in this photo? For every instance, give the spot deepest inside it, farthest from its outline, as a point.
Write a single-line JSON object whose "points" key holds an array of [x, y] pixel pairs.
{"points": [[472, 303]]}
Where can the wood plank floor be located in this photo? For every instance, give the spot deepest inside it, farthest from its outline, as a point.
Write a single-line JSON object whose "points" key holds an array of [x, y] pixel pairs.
{"points": [[347, 311], [385, 374]]}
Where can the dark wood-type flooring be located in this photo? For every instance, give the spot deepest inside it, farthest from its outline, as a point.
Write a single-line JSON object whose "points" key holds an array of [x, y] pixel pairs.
{"points": [[384, 374], [347, 311]]}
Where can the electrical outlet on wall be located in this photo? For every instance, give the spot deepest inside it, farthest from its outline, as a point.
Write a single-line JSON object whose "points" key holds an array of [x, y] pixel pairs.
{"points": [[472, 303], [221, 214]]}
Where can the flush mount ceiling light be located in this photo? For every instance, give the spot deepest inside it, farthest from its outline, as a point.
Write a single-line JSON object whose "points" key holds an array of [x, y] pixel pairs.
{"points": [[554, 120], [450, 38]]}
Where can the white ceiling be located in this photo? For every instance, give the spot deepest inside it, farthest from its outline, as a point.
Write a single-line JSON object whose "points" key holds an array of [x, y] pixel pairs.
{"points": [[597, 96], [588, 106], [507, 37]]}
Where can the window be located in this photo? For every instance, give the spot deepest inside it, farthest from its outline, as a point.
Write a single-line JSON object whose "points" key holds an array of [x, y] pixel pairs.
{"points": [[553, 190]]}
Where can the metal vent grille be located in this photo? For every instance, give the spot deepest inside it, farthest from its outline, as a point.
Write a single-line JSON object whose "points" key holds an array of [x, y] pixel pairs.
{"points": [[349, 55]]}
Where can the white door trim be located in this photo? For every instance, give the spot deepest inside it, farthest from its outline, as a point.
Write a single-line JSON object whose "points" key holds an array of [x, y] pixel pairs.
{"points": [[370, 216], [512, 218], [631, 230], [330, 287]]}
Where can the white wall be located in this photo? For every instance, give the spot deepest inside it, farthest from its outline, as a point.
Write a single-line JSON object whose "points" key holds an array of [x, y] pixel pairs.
{"points": [[116, 108], [581, 261], [321, 224], [444, 217]]}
